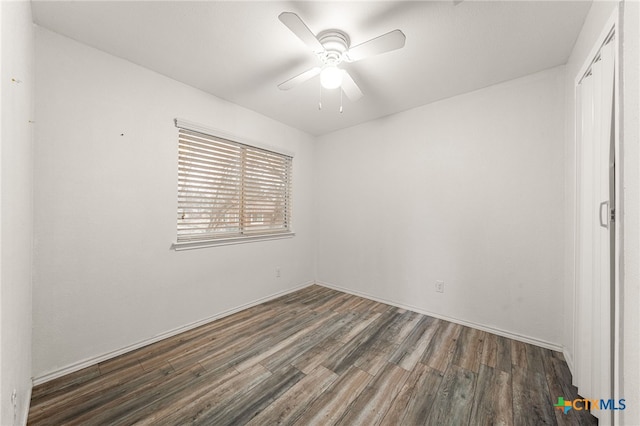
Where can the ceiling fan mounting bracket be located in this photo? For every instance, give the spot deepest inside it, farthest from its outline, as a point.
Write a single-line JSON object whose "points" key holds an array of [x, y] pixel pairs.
{"points": [[335, 43]]}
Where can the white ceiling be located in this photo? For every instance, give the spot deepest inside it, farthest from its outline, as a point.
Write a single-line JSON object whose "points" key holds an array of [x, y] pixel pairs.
{"points": [[240, 51]]}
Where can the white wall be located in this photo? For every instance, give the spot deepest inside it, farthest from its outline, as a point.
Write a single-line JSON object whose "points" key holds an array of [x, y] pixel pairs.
{"points": [[468, 190], [631, 212], [594, 24], [16, 209], [105, 208]]}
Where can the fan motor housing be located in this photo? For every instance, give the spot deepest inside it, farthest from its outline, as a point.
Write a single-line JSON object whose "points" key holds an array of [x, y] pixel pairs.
{"points": [[335, 43]]}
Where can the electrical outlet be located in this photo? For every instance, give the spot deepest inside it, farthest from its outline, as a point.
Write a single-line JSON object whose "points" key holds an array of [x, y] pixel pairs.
{"points": [[277, 272], [440, 286]]}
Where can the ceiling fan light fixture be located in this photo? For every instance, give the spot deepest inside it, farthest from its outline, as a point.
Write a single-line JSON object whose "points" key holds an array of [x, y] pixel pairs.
{"points": [[331, 77], [332, 47]]}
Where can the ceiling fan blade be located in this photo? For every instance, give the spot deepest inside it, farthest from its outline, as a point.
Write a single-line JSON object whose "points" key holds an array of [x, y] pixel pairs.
{"points": [[385, 43], [298, 79], [300, 29], [350, 88]]}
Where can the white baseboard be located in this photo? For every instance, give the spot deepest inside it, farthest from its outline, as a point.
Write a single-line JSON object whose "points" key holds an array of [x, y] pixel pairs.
{"points": [[104, 357], [569, 359], [493, 330], [101, 358]]}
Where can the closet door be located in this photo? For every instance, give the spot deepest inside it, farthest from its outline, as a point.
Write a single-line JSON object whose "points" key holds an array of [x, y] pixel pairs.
{"points": [[595, 233], [586, 219], [605, 230]]}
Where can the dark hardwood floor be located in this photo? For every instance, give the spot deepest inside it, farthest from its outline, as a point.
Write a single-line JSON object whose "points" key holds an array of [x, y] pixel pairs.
{"points": [[318, 357]]}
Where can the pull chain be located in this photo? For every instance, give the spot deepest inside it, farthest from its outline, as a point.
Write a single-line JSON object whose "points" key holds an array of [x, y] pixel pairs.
{"points": [[341, 99]]}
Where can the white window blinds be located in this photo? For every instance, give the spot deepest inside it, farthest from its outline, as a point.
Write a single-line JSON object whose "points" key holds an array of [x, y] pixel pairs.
{"points": [[227, 189]]}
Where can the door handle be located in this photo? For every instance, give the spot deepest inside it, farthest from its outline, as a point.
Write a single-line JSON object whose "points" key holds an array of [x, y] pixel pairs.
{"points": [[604, 223]]}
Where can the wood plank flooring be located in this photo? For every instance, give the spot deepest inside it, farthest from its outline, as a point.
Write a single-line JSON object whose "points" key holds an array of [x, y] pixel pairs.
{"points": [[318, 357]]}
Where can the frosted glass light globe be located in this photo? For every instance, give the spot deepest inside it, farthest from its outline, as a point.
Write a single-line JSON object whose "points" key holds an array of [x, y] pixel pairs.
{"points": [[331, 77]]}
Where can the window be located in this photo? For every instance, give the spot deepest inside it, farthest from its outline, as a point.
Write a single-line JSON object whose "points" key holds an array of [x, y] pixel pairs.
{"points": [[229, 191]]}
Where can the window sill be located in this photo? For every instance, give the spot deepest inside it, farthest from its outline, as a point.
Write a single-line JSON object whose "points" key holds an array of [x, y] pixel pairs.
{"points": [[189, 245]]}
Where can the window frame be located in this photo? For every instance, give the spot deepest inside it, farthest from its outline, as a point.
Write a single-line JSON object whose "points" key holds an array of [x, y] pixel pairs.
{"points": [[235, 238]]}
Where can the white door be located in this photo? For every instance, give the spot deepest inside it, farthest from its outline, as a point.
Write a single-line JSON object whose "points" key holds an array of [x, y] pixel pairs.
{"points": [[595, 232]]}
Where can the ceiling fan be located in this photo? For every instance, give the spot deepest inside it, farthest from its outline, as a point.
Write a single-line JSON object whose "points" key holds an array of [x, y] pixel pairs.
{"points": [[332, 47]]}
